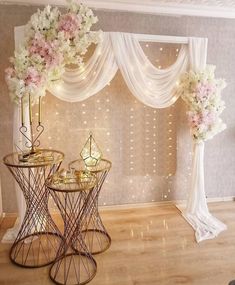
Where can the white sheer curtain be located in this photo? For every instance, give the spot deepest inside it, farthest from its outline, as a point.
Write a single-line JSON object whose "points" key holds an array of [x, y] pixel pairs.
{"points": [[197, 214], [150, 85]]}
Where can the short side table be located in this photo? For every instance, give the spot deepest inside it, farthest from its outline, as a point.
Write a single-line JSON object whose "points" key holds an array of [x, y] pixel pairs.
{"points": [[38, 239], [94, 232], [73, 199]]}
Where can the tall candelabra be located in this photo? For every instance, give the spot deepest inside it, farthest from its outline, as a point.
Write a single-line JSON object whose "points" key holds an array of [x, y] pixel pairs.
{"points": [[30, 133]]}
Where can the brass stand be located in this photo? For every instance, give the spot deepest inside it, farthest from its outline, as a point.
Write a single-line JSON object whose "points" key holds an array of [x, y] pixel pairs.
{"points": [[38, 240], [94, 232], [73, 199]]}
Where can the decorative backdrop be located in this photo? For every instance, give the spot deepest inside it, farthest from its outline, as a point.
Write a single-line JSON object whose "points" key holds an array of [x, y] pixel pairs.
{"points": [[139, 70]]}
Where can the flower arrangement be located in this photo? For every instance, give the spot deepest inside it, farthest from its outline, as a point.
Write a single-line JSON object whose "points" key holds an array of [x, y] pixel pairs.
{"points": [[52, 41], [202, 93]]}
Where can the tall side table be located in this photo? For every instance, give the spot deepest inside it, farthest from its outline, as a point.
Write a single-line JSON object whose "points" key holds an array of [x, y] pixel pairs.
{"points": [[94, 232], [73, 198], [38, 239]]}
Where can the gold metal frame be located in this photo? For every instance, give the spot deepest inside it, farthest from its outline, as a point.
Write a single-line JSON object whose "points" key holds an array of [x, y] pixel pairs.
{"points": [[38, 239], [94, 232]]}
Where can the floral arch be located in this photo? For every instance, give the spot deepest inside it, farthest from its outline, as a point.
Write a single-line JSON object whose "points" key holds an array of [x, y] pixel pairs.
{"points": [[53, 41]]}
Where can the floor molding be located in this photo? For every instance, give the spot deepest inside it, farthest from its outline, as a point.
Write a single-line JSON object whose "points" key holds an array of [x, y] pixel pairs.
{"points": [[162, 203], [178, 203]]}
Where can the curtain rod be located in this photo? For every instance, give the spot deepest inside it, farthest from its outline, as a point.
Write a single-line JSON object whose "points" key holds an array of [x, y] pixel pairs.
{"points": [[162, 39]]}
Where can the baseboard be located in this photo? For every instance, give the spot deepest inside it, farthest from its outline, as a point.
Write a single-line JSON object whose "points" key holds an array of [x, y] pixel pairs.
{"points": [[177, 203], [136, 205], [10, 215], [221, 199], [162, 203], [2, 216]]}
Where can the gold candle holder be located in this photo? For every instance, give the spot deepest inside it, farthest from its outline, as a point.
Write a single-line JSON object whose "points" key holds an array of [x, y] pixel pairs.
{"points": [[30, 111], [31, 134], [22, 111], [39, 110]]}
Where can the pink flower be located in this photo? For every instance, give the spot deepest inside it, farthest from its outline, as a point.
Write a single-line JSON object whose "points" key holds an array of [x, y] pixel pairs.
{"points": [[208, 118], [194, 119], [201, 120], [32, 77], [69, 24], [203, 90], [46, 50]]}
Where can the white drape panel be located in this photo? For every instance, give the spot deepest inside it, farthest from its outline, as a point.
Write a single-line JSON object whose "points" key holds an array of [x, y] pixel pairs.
{"points": [[79, 84], [19, 141], [197, 214], [153, 87]]}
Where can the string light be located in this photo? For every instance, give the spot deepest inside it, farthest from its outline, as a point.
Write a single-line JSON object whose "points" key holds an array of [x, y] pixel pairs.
{"points": [[142, 132]]}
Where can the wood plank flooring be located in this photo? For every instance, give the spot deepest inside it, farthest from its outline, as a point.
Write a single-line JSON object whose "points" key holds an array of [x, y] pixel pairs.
{"points": [[151, 245]]}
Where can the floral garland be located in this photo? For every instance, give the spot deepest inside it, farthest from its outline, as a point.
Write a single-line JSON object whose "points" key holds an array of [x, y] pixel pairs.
{"points": [[202, 93], [52, 41]]}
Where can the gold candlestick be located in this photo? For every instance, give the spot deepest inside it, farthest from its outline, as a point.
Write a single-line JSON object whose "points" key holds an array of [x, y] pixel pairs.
{"points": [[40, 111], [30, 110], [22, 111]]}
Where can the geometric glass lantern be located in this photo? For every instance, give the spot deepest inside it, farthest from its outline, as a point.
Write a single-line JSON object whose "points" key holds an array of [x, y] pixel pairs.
{"points": [[91, 153]]}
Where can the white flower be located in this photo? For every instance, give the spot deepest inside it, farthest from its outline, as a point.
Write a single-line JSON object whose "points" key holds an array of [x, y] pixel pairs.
{"points": [[201, 91], [47, 49]]}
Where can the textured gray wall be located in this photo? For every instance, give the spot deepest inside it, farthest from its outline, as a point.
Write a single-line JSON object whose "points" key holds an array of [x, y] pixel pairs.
{"points": [[220, 152]]}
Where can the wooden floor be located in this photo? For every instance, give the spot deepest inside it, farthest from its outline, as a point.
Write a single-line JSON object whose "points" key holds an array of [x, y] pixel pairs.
{"points": [[150, 246]]}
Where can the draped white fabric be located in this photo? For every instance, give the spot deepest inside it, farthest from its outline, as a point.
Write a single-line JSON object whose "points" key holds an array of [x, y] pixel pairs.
{"points": [[80, 84], [153, 87], [18, 140], [197, 214]]}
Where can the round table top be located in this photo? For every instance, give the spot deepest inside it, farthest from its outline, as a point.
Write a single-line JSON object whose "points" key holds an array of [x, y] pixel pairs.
{"points": [[79, 164], [81, 181], [42, 157]]}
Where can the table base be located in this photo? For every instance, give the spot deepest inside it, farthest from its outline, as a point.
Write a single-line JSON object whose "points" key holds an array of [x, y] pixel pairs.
{"points": [[73, 269], [35, 250], [96, 240]]}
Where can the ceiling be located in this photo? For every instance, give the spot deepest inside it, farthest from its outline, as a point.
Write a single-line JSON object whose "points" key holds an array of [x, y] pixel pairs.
{"points": [[202, 8]]}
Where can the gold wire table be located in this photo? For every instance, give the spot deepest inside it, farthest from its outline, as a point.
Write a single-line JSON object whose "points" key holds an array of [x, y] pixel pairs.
{"points": [[94, 232], [38, 239], [74, 200]]}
